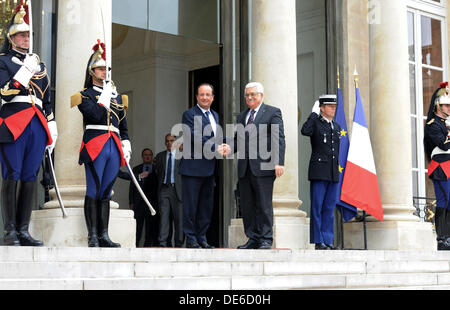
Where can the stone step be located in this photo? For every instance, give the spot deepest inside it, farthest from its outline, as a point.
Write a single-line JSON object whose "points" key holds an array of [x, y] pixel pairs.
{"points": [[82, 254], [362, 282], [219, 269], [357, 273]]}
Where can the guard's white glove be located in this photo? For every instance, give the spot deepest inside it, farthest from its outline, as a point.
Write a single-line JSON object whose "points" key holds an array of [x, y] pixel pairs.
{"points": [[54, 134], [316, 107], [30, 65], [447, 122], [126, 148], [105, 97]]}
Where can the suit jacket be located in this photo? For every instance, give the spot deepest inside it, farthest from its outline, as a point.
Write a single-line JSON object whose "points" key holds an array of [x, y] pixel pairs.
{"points": [[148, 186], [160, 168], [324, 162], [193, 163], [254, 139]]}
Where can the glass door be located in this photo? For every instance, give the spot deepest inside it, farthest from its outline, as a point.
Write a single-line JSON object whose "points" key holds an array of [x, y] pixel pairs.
{"points": [[427, 68]]}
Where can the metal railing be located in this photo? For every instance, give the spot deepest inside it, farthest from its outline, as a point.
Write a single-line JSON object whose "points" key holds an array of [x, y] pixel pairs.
{"points": [[425, 208]]}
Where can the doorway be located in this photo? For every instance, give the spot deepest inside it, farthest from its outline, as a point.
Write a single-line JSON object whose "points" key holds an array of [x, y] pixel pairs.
{"points": [[211, 75]]}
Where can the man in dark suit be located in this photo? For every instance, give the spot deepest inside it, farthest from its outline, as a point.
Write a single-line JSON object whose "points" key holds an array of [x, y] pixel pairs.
{"points": [[261, 148], [323, 170], [169, 194], [146, 176], [197, 167]]}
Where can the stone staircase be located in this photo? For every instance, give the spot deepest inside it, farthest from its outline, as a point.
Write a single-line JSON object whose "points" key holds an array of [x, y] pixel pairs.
{"points": [[219, 269]]}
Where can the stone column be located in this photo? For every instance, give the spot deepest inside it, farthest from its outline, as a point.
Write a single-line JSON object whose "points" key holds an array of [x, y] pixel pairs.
{"points": [[274, 64], [79, 26], [390, 129]]}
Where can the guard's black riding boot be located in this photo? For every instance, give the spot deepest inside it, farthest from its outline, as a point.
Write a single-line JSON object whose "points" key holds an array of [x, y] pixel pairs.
{"points": [[90, 215], [24, 209], [443, 242], [9, 210], [103, 221]]}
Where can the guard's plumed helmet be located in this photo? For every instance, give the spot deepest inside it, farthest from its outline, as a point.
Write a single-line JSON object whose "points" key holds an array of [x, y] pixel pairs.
{"points": [[20, 22], [327, 99], [439, 97], [97, 59]]}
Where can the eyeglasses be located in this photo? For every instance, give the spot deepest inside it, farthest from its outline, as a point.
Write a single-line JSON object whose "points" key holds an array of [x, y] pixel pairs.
{"points": [[251, 95]]}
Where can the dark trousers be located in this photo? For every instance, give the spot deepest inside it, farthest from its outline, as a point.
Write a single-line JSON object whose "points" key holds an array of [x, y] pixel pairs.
{"points": [[150, 223], [21, 160], [323, 202], [256, 206], [169, 204], [442, 214], [198, 204]]}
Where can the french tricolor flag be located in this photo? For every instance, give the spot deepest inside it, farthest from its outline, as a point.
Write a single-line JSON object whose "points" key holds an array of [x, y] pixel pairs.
{"points": [[360, 184]]}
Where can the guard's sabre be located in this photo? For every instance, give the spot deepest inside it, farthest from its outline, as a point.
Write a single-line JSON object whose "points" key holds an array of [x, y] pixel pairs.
{"points": [[30, 20], [108, 59], [58, 194], [49, 155], [130, 171]]}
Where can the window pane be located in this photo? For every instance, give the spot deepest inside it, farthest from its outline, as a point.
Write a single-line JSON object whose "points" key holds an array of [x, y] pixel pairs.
{"points": [[415, 179], [130, 12], [430, 79], [431, 41], [412, 88], [414, 141], [411, 45], [196, 19]]}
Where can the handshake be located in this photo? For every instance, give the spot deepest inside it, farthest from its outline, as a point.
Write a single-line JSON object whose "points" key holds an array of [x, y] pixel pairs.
{"points": [[224, 149]]}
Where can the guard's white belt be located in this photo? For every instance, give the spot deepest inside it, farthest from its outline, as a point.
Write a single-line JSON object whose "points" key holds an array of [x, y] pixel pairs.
{"points": [[26, 99], [103, 127], [438, 151]]}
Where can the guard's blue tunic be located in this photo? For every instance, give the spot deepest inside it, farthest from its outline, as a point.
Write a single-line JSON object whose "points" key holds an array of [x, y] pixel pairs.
{"points": [[436, 135], [101, 149], [24, 132]]}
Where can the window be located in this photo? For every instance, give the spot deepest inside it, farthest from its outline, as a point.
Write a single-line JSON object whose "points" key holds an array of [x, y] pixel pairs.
{"points": [[427, 68]]}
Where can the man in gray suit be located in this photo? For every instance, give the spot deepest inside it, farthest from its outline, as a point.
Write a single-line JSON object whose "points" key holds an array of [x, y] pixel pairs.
{"points": [[169, 194]]}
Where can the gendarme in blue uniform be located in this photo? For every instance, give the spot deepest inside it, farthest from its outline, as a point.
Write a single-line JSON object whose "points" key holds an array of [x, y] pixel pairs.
{"points": [[323, 174]]}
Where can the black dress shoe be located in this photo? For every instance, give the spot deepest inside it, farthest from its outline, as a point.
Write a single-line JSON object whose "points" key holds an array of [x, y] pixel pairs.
{"points": [[265, 245], [205, 245], [331, 247], [192, 245], [251, 244], [321, 246]]}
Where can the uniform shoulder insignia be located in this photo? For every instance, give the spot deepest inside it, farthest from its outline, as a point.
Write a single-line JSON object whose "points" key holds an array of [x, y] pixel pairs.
{"points": [[76, 99], [125, 101], [430, 122]]}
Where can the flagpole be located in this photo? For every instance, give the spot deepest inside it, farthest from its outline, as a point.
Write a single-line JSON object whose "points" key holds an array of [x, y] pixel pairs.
{"points": [[338, 78], [356, 78], [341, 213]]}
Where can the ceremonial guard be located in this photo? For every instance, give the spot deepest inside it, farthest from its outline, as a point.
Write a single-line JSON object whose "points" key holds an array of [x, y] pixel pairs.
{"points": [[27, 127], [437, 151], [323, 170], [105, 145]]}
